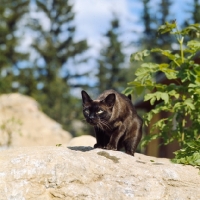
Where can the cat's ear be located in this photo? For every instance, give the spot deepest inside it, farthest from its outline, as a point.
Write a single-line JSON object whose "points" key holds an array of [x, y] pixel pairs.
{"points": [[110, 100], [129, 96], [85, 97]]}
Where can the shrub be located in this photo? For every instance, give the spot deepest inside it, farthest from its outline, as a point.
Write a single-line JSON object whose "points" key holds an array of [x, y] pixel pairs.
{"points": [[180, 98]]}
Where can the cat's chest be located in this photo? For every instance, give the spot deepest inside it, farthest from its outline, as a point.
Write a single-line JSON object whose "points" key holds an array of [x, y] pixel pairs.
{"points": [[112, 128]]}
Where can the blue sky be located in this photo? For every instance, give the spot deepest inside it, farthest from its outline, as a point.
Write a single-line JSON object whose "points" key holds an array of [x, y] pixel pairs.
{"points": [[93, 16], [93, 19]]}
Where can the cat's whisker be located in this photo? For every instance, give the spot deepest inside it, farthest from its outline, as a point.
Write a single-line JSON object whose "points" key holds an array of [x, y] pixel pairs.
{"points": [[100, 126], [105, 123]]}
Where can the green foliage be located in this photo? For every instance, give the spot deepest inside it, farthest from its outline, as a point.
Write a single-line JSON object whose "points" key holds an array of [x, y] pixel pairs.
{"points": [[47, 78], [59, 51], [189, 154], [180, 98], [11, 12]]}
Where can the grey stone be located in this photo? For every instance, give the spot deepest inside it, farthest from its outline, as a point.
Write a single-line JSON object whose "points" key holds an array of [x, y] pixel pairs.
{"points": [[84, 173]]}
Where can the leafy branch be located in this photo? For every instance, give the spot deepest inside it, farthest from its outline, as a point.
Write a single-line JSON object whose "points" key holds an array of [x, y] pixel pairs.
{"points": [[180, 98]]}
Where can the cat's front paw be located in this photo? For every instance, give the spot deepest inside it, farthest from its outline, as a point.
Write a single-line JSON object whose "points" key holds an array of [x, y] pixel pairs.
{"points": [[98, 146], [111, 147]]}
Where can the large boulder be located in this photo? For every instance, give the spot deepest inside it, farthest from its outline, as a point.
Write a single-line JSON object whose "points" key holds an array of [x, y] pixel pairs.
{"points": [[84, 140], [84, 173], [23, 124]]}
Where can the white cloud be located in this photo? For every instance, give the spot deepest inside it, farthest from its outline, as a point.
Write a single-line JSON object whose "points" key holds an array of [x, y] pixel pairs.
{"points": [[93, 18]]}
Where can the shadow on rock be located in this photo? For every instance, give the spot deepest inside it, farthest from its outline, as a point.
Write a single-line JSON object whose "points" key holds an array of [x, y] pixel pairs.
{"points": [[81, 148]]}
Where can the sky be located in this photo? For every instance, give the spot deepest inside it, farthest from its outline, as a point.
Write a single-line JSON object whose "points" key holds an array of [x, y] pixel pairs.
{"points": [[93, 18], [93, 22]]}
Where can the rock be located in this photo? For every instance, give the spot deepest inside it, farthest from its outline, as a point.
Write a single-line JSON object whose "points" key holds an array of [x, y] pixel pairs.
{"points": [[84, 140], [84, 173], [23, 124]]}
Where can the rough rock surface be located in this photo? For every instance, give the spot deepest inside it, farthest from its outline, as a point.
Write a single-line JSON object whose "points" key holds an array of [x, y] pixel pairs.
{"points": [[23, 124], [82, 173], [84, 140]]}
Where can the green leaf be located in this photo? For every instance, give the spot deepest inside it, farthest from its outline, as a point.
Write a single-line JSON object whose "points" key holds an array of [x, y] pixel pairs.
{"points": [[192, 30], [146, 72], [189, 103], [174, 93], [174, 57], [167, 27], [142, 71], [139, 56], [138, 87], [157, 96], [170, 73], [149, 138], [165, 97], [128, 90], [148, 97], [164, 52], [194, 44], [156, 50]]}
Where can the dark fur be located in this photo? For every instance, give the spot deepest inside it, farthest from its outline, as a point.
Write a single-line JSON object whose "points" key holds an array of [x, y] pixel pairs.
{"points": [[115, 121]]}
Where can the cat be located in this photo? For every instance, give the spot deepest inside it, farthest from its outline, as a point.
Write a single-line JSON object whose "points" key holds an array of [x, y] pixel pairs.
{"points": [[115, 121]]}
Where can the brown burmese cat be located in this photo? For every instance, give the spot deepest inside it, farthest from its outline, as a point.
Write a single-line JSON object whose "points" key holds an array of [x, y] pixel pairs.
{"points": [[115, 121]]}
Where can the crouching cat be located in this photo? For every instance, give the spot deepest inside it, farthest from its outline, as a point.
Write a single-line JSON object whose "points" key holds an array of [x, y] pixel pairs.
{"points": [[115, 121]]}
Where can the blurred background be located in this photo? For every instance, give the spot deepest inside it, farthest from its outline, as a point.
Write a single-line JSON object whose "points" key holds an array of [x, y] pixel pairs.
{"points": [[52, 49]]}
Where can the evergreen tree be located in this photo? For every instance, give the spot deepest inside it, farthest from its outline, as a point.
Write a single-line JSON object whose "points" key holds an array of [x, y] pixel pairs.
{"points": [[57, 48], [147, 18], [110, 62], [164, 11], [194, 13], [11, 12], [153, 18]]}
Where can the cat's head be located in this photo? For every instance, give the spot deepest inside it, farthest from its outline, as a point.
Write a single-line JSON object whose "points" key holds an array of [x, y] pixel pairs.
{"points": [[98, 112]]}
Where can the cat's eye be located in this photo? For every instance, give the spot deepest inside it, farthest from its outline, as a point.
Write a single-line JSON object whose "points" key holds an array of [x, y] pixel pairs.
{"points": [[86, 111], [100, 111]]}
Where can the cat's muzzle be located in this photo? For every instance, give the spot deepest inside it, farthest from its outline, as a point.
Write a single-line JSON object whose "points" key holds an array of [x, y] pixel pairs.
{"points": [[92, 122]]}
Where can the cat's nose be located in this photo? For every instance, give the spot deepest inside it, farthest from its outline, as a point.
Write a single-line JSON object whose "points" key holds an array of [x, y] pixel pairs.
{"points": [[91, 119], [91, 116]]}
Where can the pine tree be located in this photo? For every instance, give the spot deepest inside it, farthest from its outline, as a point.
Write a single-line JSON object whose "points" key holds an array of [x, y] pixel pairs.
{"points": [[194, 10], [149, 33], [111, 60], [57, 48], [11, 12], [152, 19], [164, 10]]}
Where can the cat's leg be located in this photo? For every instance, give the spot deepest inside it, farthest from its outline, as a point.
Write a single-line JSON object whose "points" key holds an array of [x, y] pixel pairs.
{"points": [[115, 137], [101, 138], [133, 136], [131, 143]]}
